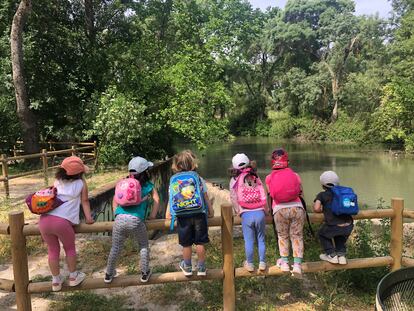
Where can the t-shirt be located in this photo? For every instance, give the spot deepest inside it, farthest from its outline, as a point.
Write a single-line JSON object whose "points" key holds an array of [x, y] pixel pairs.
{"points": [[278, 206], [325, 197], [139, 210], [69, 191]]}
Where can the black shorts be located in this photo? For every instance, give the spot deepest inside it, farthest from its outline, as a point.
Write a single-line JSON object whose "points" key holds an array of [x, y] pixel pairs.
{"points": [[192, 230]]}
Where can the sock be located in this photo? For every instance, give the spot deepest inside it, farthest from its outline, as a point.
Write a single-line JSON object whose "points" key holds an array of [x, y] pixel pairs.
{"points": [[187, 262], [56, 279], [285, 259], [297, 260], [201, 263], [73, 275]]}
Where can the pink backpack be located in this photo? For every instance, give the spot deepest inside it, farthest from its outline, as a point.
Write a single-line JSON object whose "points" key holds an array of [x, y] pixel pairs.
{"points": [[284, 185], [128, 192], [249, 190]]}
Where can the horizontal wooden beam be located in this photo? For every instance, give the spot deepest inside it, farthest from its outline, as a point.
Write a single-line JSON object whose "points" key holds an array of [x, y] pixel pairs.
{"points": [[408, 262], [4, 229], [7, 285], [408, 214], [128, 280], [318, 266]]}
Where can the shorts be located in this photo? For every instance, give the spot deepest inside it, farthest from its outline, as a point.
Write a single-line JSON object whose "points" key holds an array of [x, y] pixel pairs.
{"points": [[192, 230]]}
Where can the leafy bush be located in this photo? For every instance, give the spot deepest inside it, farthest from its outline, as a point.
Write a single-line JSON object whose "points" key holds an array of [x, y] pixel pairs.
{"points": [[283, 125], [345, 129], [311, 129]]}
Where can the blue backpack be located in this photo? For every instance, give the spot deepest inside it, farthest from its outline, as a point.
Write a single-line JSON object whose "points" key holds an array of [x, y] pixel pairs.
{"points": [[344, 201], [185, 195]]}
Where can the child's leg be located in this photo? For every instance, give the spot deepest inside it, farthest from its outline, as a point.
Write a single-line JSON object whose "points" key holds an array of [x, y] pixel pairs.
{"points": [[200, 237], [185, 228], [296, 232], [249, 235], [118, 239], [282, 226], [340, 240], [201, 253], [47, 229], [261, 234], [141, 237], [325, 237]]}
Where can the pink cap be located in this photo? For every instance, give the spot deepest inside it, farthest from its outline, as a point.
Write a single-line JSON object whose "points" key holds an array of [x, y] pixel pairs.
{"points": [[74, 166]]}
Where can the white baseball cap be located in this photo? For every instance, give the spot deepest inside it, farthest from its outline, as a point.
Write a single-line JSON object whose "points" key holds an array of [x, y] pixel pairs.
{"points": [[240, 160], [139, 164], [329, 179]]}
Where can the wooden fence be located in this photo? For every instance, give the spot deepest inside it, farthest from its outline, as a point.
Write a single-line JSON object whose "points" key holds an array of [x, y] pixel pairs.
{"points": [[88, 150], [18, 231]]}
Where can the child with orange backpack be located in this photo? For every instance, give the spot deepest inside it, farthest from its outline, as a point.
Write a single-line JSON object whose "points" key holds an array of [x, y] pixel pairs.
{"points": [[249, 201], [285, 189], [130, 203]]}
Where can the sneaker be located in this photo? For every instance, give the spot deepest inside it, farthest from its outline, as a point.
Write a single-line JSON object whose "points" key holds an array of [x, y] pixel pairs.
{"points": [[201, 271], [57, 286], [109, 277], [187, 270], [329, 258], [283, 265], [248, 266], [297, 270], [80, 276], [342, 260], [145, 276], [262, 266]]}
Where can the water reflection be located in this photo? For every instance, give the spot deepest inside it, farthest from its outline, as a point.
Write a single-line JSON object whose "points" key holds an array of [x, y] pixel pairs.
{"points": [[373, 174]]}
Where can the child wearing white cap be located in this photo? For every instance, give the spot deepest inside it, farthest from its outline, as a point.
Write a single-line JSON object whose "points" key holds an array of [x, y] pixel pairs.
{"points": [[129, 220], [251, 209], [336, 228]]}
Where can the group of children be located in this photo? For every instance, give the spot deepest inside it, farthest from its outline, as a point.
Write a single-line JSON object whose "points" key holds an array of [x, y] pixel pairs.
{"points": [[189, 204]]}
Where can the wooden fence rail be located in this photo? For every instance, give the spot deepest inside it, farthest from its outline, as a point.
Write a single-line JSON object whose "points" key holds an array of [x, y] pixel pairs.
{"points": [[44, 155], [24, 288]]}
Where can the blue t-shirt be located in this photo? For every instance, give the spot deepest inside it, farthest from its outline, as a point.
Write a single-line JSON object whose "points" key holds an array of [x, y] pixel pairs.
{"points": [[140, 209]]}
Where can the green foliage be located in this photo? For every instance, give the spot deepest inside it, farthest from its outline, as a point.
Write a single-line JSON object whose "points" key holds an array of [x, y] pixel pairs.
{"points": [[345, 129], [282, 126]]}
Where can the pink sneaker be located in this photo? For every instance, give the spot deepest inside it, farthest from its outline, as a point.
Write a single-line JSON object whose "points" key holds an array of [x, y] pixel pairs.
{"points": [[283, 265], [297, 270]]}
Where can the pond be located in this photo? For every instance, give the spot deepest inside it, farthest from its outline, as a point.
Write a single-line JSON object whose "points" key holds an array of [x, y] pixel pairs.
{"points": [[374, 174]]}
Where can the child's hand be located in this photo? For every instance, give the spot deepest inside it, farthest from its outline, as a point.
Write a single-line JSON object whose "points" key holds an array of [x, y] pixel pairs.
{"points": [[168, 216], [89, 221]]}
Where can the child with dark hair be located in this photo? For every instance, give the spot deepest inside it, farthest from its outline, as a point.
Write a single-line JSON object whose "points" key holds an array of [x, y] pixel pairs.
{"points": [[336, 229], [129, 220], [57, 225]]}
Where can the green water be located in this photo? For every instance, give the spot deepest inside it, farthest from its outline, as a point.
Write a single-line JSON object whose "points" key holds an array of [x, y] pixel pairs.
{"points": [[373, 174]]}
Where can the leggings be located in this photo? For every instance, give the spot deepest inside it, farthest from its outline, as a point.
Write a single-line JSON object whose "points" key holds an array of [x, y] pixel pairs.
{"points": [[124, 226], [289, 225], [55, 229]]}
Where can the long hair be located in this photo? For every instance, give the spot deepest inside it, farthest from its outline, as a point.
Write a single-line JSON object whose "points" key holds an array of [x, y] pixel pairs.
{"points": [[234, 172], [184, 161], [142, 177], [62, 175]]}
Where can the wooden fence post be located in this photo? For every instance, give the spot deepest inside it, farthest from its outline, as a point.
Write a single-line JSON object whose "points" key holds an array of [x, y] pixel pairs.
{"points": [[5, 171], [44, 160], [95, 155], [73, 150], [396, 245], [229, 291], [19, 259]]}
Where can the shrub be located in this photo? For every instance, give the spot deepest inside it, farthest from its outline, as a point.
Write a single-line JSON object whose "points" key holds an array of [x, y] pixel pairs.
{"points": [[345, 129]]}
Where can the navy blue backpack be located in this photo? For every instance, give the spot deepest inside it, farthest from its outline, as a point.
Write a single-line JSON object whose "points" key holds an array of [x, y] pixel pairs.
{"points": [[344, 201]]}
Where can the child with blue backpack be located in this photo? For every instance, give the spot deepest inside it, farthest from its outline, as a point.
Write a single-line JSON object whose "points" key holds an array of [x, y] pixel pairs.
{"points": [[249, 201], [190, 205], [130, 203], [338, 225]]}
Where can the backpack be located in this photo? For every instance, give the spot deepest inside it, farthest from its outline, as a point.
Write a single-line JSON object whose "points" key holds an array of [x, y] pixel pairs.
{"points": [[284, 185], [43, 201], [249, 190], [128, 192], [185, 195], [344, 201]]}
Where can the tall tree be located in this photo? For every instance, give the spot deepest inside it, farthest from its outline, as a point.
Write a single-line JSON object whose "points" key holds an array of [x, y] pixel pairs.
{"points": [[26, 116]]}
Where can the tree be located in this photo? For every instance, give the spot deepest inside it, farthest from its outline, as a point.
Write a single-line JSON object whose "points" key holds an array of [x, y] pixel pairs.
{"points": [[26, 116]]}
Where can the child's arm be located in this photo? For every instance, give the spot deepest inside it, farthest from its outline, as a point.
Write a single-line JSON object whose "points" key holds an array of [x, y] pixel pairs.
{"points": [[114, 204], [317, 206], [156, 204], [85, 203], [167, 212], [210, 207], [268, 208]]}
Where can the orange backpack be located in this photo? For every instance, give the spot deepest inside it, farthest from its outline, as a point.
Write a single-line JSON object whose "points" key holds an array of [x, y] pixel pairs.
{"points": [[43, 201]]}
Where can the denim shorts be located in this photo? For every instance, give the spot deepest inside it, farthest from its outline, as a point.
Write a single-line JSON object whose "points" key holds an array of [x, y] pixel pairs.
{"points": [[192, 230]]}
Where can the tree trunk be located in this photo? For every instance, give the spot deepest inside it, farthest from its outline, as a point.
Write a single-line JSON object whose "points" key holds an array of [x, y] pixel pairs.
{"points": [[335, 91], [25, 114], [90, 20]]}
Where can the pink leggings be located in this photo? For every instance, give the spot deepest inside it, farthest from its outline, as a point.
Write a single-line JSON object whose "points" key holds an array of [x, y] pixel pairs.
{"points": [[55, 229]]}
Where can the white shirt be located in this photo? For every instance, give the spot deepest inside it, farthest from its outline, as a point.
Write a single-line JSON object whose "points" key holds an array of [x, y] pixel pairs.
{"points": [[68, 191]]}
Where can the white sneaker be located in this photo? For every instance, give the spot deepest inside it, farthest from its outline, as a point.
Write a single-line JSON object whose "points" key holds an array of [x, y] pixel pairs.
{"points": [[80, 276], [248, 266], [58, 286], [342, 260], [283, 265], [329, 258], [262, 266]]}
